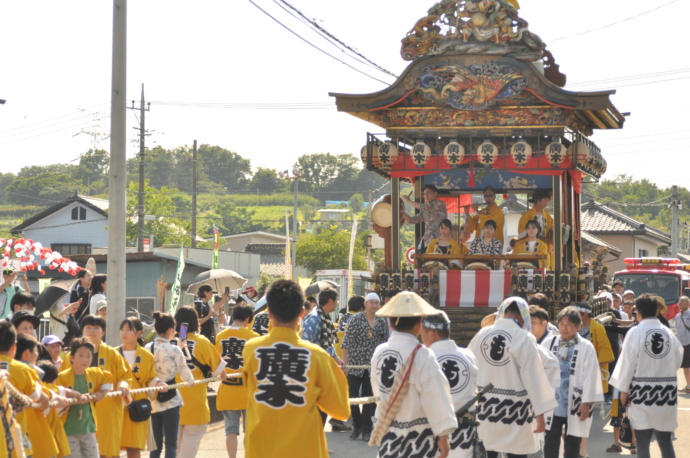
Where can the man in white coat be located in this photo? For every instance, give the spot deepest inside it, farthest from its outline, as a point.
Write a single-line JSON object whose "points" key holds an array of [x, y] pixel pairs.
{"points": [[580, 387], [646, 375], [460, 368], [415, 412], [507, 356]]}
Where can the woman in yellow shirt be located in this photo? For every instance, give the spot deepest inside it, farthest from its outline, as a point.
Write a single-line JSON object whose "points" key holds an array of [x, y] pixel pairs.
{"points": [[204, 360], [538, 213], [445, 244], [140, 363], [531, 244]]}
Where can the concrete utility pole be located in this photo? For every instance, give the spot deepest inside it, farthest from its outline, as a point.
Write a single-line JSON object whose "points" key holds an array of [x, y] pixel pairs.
{"points": [[194, 192], [117, 215], [675, 206], [143, 108]]}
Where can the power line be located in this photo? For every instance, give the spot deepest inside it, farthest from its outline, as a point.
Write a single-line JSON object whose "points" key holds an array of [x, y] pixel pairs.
{"points": [[46, 133], [253, 105], [313, 45], [328, 36], [614, 23], [57, 117], [632, 77]]}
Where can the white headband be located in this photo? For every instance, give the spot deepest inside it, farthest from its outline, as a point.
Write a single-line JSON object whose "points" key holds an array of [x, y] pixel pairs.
{"points": [[583, 309], [372, 296], [436, 326]]}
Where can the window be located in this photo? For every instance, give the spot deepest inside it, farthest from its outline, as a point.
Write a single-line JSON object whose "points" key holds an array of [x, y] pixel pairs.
{"points": [[70, 249], [642, 253], [144, 306], [78, 214]]}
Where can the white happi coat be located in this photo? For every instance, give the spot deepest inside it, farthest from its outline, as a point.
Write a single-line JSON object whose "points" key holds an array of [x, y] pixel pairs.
{"points": [[460, 368], [584, 384], [550, 361], [507, 356], [427, 408], [647, 371]]}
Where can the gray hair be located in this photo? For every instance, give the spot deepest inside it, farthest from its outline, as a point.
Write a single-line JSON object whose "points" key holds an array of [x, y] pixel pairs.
{"points": [[572, 314]]}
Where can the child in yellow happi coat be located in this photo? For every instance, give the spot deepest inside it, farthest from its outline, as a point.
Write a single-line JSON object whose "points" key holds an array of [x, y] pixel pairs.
{"points": [[140, 362], [80, 420], [110, 412]]}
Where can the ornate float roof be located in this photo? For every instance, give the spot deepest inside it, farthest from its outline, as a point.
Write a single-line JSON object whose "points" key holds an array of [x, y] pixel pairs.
{"points": [[476, 67]]}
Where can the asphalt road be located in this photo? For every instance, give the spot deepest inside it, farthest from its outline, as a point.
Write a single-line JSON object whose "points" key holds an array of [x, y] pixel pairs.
{"points": [[601, 436]]}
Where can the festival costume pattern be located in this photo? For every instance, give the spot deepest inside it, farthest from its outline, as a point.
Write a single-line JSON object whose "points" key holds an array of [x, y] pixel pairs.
{"points": [[647, 371], [427, 409], [508, 357], [288, 380], [195, 410], [584, 385], [232, 394], [460, 368]]}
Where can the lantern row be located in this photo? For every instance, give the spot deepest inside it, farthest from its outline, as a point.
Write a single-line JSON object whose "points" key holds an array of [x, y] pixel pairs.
{"points": [[590, 161]]}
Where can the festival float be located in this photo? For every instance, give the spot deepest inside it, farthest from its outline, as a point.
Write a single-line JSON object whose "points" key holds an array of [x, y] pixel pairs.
{"points": [[482, 104]]}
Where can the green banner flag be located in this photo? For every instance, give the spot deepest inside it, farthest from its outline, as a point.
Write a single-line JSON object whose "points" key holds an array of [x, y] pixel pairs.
{"points": [[214, 260], [175, 291]]}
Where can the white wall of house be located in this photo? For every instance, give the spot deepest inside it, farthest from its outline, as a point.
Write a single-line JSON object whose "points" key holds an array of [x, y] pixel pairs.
{"points": [[239, 242], [60, 228]]}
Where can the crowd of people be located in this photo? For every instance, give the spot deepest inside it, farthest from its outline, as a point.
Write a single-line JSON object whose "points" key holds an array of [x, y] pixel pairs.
{"points": [[292, 366]]}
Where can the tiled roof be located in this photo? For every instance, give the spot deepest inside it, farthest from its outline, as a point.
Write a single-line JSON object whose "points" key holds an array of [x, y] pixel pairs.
{"points": [[265, 248], [589, 238], [275, 269], [599, 219]]}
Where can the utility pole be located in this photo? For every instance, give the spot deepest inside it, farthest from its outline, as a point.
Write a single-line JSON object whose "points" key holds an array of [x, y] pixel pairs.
{"points": [[143, 108], [194, 191], [675, 206], [117, 215]]}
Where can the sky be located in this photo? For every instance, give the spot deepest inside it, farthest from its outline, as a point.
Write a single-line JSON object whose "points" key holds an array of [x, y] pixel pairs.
{"points": [[224, 73]]}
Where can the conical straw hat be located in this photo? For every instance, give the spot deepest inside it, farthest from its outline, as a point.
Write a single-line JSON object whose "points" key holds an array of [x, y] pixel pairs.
{"points": [[407, 303]]}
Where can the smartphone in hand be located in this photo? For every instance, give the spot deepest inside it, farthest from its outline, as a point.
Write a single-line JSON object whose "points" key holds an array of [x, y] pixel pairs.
{"points": [[183, 331]]}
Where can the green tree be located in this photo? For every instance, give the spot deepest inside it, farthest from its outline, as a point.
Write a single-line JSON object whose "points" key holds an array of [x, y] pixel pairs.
{"points": [[224, 167], [6, 180], [165, 228], [356, 202], [94, 166], [44, 183], [230, 219], [329, 249], [266, 181]]}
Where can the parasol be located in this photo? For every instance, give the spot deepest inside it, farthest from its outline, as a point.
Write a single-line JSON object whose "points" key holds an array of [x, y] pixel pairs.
{"points": [[316, 288], [51, 294], [218, 279]]}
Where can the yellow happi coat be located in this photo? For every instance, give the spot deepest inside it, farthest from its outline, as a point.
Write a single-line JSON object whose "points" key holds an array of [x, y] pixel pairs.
{"points": [[522, 247], [134, 434], [531, 214], [195, 410], [232, 394], [110, 412], [34, 425], [477, 221], [288, 380], [55, 423]]}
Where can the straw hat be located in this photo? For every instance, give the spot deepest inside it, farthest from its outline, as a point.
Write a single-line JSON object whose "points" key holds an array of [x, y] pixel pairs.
{"points": [[405, 304]]}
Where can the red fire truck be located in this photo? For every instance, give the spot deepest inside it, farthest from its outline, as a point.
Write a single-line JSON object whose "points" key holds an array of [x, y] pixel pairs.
{"points": [[665, 277]]}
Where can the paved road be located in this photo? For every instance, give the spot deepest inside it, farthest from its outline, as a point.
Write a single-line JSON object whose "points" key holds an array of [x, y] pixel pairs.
{"points": [[213, 444]]}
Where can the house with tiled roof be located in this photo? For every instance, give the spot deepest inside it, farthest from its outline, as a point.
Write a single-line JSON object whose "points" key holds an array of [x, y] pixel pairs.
{"points": [[633, 238]]}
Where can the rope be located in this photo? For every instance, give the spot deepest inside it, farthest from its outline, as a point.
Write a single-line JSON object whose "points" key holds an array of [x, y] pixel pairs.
{"points": [[359, 367], [28, 403], [360, 401]]}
